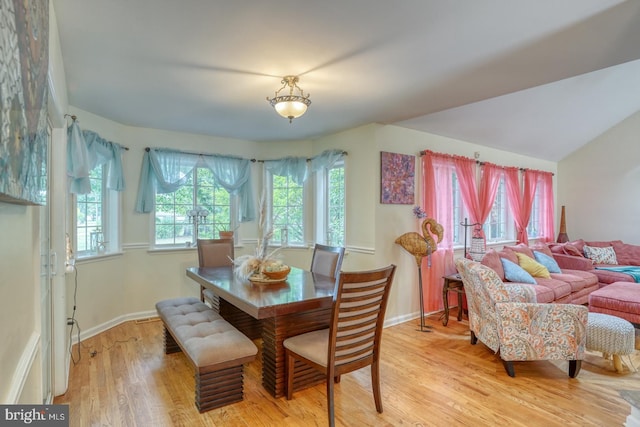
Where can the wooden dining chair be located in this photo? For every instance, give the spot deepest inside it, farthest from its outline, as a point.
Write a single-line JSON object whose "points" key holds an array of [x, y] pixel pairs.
{"points": [[327, 260], [352, 340], [214, 253]]}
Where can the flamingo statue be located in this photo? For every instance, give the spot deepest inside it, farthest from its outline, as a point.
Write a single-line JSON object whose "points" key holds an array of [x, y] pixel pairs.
{"points": [[420, 246]]}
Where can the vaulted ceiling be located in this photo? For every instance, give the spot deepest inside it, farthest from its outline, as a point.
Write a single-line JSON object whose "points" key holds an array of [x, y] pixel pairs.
{"points": [[540, 78]]}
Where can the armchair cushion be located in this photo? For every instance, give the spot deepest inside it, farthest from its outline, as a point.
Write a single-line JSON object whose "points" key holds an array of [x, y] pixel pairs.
{"points": [[514, 273], [532, 266]]}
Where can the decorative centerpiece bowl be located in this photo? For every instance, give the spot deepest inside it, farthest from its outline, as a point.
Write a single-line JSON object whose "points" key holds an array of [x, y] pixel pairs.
{"points": [[277, 274]]}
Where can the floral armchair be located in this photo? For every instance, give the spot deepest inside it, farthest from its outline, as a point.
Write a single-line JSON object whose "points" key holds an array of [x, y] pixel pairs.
{"points": [[508, 320]]}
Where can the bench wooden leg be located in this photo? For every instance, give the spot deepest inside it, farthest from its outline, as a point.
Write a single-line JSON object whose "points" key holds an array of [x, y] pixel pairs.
{"points": [[170, 344], [219, 388]]}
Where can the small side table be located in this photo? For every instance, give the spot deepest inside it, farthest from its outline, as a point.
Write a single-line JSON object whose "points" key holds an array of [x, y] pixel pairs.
{"points": [[452, 283]]}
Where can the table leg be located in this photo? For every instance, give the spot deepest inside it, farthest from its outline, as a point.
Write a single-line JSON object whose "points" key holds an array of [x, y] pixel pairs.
{"points": [[459, 305], [274, 331]]}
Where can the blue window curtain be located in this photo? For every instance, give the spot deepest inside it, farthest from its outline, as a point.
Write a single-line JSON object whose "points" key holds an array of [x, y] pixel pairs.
{"points": [[165, 171], [296, 167], [293, 167], [326, 159], [86, 150]]}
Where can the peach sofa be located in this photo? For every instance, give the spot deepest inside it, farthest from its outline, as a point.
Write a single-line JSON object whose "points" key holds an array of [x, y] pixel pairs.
{"points": [[569, 286], [571, 255]]}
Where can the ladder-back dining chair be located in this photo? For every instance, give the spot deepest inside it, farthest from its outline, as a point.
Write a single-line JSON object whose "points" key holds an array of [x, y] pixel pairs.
{"points": [[214, 253], [352, 340], [327, 260]]}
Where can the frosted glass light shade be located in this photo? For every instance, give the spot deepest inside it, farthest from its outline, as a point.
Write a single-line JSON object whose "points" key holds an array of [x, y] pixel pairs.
{"points": [[291, 109]]}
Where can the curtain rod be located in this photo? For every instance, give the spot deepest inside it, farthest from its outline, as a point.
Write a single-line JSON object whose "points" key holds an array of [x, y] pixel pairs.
{"points": [[423, 152], [75, 118], [344, 153]]}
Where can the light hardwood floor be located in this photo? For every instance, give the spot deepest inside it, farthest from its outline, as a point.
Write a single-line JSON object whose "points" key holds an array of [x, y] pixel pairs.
{"points": [[428, 379]]}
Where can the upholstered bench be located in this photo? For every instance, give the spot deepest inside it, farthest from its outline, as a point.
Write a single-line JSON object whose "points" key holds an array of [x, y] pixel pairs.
{"points": [[215, 349], [621, 299], [611, 335]]}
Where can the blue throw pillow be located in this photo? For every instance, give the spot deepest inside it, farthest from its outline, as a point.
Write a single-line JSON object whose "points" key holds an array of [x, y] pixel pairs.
{"points": [[547, 261], [514, 273]]}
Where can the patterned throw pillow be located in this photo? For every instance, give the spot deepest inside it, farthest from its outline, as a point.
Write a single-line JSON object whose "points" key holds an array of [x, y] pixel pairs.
{"points": [[532, 266], [514, 273], [604, 255], [547, 261]]}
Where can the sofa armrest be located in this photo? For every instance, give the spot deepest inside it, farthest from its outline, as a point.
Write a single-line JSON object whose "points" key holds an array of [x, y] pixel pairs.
{"points": [[572, 262], [542, 331]]}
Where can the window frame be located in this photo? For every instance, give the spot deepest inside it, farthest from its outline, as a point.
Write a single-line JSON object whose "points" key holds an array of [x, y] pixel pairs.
{"points": [[110, 223], [278, 238], [195, 234], [323, 205]]}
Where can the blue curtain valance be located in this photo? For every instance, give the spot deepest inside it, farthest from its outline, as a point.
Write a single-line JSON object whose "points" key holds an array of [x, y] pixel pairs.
{"points": [[165, 171], [86, 150]]}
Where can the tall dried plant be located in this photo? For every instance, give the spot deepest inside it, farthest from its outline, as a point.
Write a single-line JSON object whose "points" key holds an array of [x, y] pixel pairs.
{"points": [[247, 265]]}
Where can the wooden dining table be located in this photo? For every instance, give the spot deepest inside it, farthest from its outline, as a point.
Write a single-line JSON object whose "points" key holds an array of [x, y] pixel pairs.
{"points": [[272, 312]]}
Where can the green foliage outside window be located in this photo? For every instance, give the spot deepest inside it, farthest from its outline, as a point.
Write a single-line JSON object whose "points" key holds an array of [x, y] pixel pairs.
{"points": [[173, 225], [287, 210]]}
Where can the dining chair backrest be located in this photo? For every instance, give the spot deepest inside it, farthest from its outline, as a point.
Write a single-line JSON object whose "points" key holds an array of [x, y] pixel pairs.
{"points": [[215, 252], [327, 260], [360, 302]]}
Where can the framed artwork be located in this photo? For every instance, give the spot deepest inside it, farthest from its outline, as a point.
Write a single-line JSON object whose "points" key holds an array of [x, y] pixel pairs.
{"points": [[24, 62], [397, 173]]}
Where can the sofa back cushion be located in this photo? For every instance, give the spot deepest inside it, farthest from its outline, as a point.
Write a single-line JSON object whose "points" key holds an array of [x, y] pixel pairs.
{"points": [[508, 254], [569, 248], [626, 254], [542, 247], [521, 248], [603, 243], [492, 260]]}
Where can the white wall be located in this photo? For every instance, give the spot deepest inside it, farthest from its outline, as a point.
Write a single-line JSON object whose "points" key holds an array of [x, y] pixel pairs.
{"points": [[18, 297], [600, 186], [20, 358]]}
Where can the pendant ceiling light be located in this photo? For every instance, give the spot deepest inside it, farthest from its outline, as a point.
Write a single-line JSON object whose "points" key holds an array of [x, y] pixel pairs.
{"points": [[290, 106]]}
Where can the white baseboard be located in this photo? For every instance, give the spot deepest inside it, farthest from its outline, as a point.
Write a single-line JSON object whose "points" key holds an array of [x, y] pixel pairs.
{"points": [[25, 364], [112, 323], [404, 318], [153, 314]]}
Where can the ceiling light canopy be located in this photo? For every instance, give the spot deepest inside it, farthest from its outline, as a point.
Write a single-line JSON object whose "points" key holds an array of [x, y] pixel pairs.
{"points": [[290, 106]]}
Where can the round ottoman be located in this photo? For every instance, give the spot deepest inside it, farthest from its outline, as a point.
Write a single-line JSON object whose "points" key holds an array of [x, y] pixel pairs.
{"points": [[610, 335]]}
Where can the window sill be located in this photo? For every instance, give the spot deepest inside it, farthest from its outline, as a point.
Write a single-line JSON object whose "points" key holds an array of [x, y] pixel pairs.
{"points": [[169, 249], [97, 258]]}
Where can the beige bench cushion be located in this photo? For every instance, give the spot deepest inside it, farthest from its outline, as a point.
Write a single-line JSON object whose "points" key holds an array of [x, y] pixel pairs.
{"points": [[208, 339]]}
